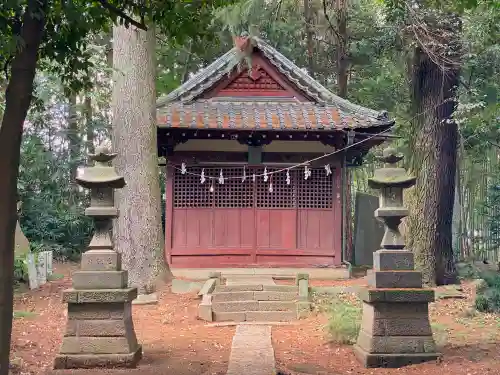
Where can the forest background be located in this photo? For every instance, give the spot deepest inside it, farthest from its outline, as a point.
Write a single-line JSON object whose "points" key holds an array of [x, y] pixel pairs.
{"points": [[365, 50]]}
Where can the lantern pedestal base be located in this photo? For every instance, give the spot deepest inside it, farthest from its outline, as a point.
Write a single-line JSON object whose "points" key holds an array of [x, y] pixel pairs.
{"points": [[75, 361], [390, 360], [395, 328]]}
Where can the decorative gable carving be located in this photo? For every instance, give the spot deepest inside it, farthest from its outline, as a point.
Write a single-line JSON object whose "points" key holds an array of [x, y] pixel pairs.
{"points": [[258, 81]]}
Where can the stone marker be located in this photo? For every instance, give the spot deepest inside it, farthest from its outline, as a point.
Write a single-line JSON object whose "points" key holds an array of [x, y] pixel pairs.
{"points": [[41, 267], [21, 243], [32, 272], [395, 329], [100, 331]]}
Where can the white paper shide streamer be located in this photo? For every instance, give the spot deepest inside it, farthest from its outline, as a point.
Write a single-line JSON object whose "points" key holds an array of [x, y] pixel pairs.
{"points": [[307, 172], [328, 170], [221, 177], [202, 176]]}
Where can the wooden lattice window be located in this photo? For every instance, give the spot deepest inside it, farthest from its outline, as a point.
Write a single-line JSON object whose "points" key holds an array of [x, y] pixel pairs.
{"points": [[282, 195], [189, 192], [316, 191], [233, 193]]}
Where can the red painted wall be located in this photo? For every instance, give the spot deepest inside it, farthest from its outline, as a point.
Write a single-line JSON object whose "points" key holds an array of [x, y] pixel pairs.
{"points": [[253, 237]]}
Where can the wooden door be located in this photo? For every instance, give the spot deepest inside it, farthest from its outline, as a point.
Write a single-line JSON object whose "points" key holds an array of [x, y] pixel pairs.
{"points": [[276, 215]]}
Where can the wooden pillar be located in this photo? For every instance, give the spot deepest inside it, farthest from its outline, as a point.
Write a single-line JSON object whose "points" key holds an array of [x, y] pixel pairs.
{"points": [[169, 210], [337, 211]]}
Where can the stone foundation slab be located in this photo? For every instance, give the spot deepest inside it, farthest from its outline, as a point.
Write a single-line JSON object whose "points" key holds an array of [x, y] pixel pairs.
{"points": [[391, 360], [74, 361], [98, 345]]}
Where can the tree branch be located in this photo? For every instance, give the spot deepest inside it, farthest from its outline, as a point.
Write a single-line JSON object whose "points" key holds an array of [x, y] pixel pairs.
{"points": [[493, 144], [327, 17], [120, 13]]}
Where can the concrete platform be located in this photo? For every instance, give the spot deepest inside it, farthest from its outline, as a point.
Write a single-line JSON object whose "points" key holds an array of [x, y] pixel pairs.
{"points": [[314, 273]]}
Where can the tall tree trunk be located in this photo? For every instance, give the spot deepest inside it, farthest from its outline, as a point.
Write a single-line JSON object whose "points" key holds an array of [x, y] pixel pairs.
{"points": [[309, 37], [430, 221], [342, 39], [17, 102], [74, 144], [138, 229], [89, 125]]}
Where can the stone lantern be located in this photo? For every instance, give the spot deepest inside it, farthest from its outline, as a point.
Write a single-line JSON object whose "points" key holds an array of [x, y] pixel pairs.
{"points": [[100, 331], [395, 329]]}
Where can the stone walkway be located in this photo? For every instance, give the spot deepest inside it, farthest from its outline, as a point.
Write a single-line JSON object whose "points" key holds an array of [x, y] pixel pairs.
{"points": [[252, 351]]}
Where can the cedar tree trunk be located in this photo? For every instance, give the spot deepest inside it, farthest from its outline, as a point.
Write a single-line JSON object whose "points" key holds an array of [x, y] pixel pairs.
{"points": [[430, 221], [138, 229]]}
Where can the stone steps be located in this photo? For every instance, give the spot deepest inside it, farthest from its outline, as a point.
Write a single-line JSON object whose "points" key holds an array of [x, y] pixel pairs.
{"points": [[255, 316], [238, 306], [253, 301], [255, 288], [254, 296]]}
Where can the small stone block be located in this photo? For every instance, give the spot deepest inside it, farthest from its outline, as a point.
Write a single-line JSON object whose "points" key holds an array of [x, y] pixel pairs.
{"points": [[229, 316], [205, 308], [303, 289], [303, 309], [208, 287], [396, 295], [399, 260], [75, 361], [395, 279], [101, 260], [99, 295], [386, 360], [301, 276], [97, 328], [87, 311], [100, 279], [214, 275]]}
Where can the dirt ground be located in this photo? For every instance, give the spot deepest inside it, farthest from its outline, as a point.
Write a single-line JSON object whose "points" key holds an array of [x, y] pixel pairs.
{"points": [[176, 343]]}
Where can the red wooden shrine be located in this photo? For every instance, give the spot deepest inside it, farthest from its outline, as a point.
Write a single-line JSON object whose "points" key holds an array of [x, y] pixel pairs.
{"points": [[238, 121]]}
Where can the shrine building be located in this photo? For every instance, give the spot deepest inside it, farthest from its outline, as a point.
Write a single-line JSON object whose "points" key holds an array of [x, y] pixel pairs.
{"points": [[234, 139]]}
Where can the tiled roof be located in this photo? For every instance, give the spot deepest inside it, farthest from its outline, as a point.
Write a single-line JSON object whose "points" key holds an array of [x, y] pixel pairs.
{"points": [[261, 115], [183, 104]]}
